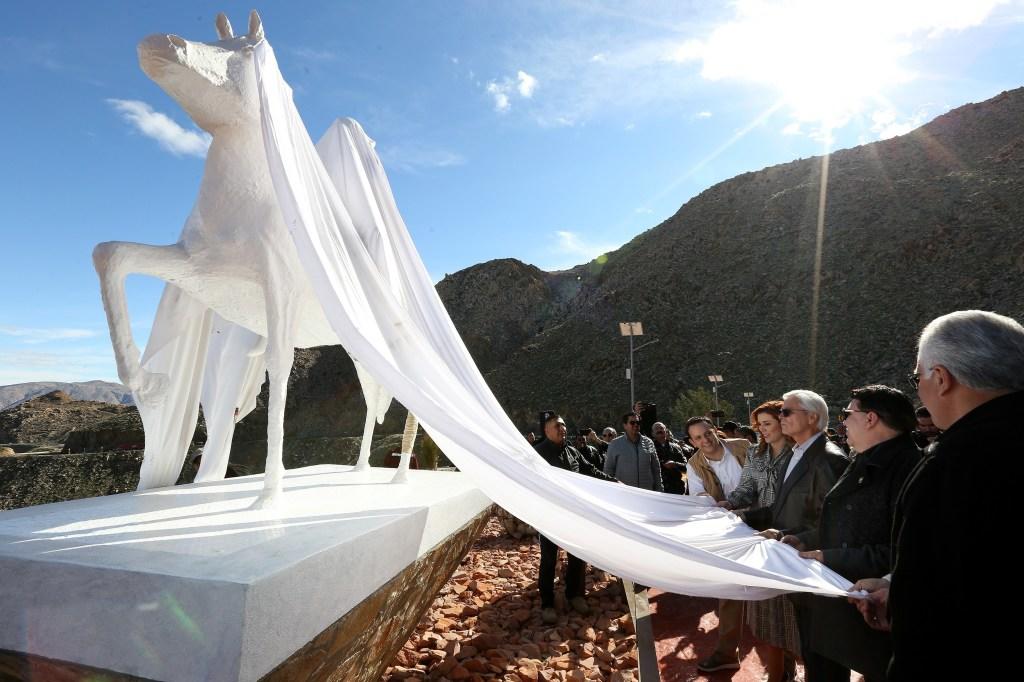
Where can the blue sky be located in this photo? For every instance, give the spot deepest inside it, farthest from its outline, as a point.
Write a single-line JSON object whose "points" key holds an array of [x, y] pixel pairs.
{"points": [[544, 131]]}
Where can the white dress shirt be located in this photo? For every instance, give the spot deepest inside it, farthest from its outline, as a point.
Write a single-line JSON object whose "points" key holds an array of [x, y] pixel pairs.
{"points": [[798, 453], [727, 469]]}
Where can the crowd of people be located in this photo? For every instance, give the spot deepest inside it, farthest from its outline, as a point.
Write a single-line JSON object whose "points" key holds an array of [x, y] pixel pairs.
{"points": [[881, 499]]}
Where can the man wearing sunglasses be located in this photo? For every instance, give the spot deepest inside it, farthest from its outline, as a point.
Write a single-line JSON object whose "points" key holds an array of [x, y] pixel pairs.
{"points": [[970, 376], [853, 533], [815, 464], [632, 458]]}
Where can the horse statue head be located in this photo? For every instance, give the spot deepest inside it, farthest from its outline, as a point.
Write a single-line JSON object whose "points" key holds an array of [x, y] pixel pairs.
{"points": [[214, 82]]}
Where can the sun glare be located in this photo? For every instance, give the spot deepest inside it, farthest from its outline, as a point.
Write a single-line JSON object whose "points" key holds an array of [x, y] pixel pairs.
{"points": [[829, 60]]}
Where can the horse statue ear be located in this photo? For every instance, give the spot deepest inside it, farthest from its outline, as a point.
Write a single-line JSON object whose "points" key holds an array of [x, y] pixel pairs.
{"points": [[255, 26], [224, 31]]}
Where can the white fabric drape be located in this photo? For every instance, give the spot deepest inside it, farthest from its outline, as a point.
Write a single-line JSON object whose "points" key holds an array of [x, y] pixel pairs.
{"points": [[399, 332], [176, 349]]}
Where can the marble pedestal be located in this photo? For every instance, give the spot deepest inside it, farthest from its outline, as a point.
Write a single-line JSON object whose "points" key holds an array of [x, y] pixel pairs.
{"points": [[187, 583]]}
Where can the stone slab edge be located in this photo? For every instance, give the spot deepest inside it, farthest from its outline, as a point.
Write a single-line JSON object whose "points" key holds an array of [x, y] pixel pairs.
{"points": [[358, 646]]}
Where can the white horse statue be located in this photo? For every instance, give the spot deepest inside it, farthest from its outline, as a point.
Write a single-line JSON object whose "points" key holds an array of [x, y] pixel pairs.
{"points": [[235, 258]]}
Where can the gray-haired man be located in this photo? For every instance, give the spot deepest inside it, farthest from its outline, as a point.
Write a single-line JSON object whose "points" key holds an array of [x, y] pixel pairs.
{"points": [[957, 504]]}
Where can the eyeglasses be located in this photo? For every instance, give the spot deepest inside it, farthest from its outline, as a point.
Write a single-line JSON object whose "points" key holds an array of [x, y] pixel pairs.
{"points": [[633, 422], [788, 412], [844, 413]]}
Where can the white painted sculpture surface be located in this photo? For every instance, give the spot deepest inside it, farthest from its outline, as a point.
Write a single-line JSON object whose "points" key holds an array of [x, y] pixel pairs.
{"points": [[302, 245], [236, 260]]}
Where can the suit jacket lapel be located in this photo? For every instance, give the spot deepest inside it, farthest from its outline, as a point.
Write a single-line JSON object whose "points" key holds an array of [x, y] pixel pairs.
{"points": [[798, 472]]}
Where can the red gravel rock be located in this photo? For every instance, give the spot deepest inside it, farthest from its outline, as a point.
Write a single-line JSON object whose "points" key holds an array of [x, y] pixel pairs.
{"points": [[485, 623]]}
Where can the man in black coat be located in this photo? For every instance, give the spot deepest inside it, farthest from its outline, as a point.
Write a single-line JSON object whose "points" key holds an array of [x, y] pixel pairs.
{"points": [[558, 453], [853, 534], [672, 458], [950, 583], [587, 451]]}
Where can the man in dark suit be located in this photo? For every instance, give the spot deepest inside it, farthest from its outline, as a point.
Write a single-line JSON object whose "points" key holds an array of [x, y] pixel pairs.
{"points": [[955, 523], [815, 464], [853, 533], [812, 469]]}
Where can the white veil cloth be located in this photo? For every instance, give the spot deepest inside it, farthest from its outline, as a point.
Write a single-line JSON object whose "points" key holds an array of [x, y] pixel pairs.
{"points": [[375, 291]]}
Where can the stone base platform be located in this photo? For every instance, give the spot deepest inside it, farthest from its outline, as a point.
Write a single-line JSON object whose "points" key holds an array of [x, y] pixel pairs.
{"points": [[187, 583]]}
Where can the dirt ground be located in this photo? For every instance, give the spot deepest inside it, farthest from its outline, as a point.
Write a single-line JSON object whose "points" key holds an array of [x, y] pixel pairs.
{"points": [[485, 625]]}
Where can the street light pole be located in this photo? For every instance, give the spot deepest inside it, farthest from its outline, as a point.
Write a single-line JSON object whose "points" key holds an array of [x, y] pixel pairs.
{"points": [[748, 395], [633, 397], [716, 381], [631, 329]]}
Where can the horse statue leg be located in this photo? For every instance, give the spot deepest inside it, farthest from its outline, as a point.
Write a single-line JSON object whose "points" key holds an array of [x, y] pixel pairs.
{"points": [[280, 293], [408, 440], [378, 400], [114, 261]]}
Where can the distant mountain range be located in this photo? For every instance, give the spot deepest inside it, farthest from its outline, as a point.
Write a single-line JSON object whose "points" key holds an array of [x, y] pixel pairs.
{"points": [[99, 391]]}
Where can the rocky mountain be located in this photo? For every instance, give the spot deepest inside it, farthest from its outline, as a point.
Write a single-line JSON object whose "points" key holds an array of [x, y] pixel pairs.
{"points": [[49, 419], [741, 282], [99, 391]]}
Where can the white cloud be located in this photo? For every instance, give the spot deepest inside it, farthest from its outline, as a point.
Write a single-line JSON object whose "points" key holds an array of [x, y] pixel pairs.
{"points": [[70, 364], [162, 128], [792, 129], [571, 249], [503, 91], [827, 60], [527, 84], [703, 114], [500, 94], [38, 335], [314, 55], [630, 126], [414, 157], [886, 124], [687, 51]]}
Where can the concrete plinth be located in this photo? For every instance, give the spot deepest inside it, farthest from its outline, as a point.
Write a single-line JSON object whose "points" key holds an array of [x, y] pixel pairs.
{"points": [[187, 583]]}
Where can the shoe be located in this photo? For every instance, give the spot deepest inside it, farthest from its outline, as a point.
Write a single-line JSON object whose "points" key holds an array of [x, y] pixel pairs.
{"points": [[580, 606], [549, 616], [718, 662]]}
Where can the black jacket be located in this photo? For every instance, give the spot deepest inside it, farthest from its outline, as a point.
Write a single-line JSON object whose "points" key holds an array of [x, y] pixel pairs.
{"points": [[855, 529], [952, 584], [797, 505], [672, 478], [568, 458], [591, 454], [854, 535]]}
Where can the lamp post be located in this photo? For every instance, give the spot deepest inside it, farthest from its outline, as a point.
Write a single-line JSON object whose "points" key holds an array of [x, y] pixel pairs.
{"points": [[716, 381], [748, 395], [631, 329]]}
